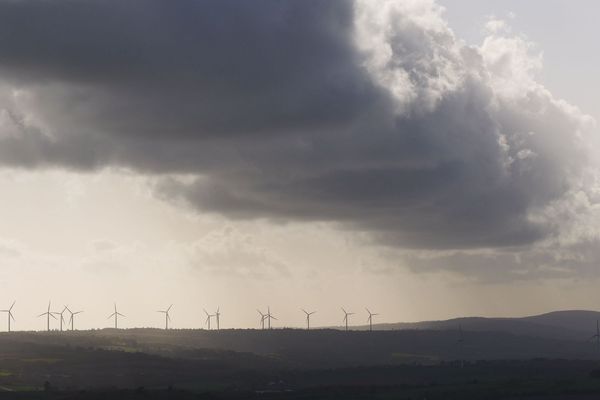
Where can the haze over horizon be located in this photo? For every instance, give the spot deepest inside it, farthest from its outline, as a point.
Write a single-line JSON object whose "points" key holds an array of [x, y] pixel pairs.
{"points": [[425, 159]]}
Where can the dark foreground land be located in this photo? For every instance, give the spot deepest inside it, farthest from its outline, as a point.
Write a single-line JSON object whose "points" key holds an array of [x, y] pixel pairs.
{"points": [[548, 379], [294, 364]]}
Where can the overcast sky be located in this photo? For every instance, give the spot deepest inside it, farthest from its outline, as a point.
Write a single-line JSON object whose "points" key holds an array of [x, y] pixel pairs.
{"points": [[423, 159]]}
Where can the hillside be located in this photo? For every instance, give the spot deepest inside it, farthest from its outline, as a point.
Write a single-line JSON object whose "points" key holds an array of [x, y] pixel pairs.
{"points": [[294, 348], [570, 325], [238, 362]]}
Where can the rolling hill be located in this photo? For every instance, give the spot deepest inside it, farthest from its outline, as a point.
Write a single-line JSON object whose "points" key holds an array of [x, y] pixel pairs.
{"points": [[570, 325]]}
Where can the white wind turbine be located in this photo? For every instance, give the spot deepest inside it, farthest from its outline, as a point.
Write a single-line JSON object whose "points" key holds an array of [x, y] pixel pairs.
{"points": [[48, 314], [9, 314], [167, 316], [218, 318], [62, 317], [346, 315], [269, 316], [116, 316], [308, 314], [262, 319], [208, 317], [72, 318], [370, 319]]}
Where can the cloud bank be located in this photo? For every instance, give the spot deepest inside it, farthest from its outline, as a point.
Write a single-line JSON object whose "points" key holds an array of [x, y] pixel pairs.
{"points": [[371, 115]]}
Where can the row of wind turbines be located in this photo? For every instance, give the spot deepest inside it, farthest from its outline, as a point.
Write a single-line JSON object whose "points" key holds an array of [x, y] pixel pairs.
{"points": [[268, 317], [53, 314]]}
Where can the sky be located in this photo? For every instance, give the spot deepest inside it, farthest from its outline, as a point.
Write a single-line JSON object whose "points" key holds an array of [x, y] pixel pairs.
{"points": [[423, 159]]}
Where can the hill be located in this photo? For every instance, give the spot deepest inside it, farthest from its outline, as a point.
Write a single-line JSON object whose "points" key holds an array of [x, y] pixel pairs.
{"points": [[327, 348], [321, 363], [569, 325]]}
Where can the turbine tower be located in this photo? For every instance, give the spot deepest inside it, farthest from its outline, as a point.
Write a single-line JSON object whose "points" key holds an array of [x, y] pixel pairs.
{"points": [[9, 314], [167, 316], [262, 319], [218, 318], [208, 317], [370, 319], [116, 315], [270, 316], [48, 314], [308, 314], [72, 319], [346, 315], [62, 317]]}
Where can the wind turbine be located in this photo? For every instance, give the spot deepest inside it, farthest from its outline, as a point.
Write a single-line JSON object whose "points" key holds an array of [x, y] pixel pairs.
{"points": [[208, 317], [62, 318], [370, 319], [167, 316], [217, 318], [116, 315], [269, 316], [9, 314], [48, 314], [597, 335], [262, 319], [72, 319], [346, 315], [308, 314]]}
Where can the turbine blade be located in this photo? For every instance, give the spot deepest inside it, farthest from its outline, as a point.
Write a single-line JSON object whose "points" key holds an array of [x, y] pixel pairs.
{"points": [[168, 309], [12, 305], [11, 316]]}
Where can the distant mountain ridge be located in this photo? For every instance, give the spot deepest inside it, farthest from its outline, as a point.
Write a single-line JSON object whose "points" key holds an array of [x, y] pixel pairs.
{"points": [[567, 324]]}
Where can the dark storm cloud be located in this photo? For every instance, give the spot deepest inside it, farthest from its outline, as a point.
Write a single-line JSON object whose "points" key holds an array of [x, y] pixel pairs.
{"points": [[188, 69], [280, 110]]}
